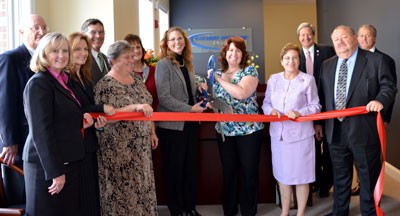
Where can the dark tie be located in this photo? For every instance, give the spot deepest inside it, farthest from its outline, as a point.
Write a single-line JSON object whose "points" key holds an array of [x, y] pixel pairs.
{"points": [[309, 63], [340, 101], [102, 62]]}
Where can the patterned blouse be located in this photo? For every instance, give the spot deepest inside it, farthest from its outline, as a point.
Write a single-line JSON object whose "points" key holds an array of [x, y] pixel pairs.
{"points": [[245, 106]]}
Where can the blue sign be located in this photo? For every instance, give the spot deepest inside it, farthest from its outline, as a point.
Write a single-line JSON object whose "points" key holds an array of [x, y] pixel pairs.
{"points": [[211, 40]]}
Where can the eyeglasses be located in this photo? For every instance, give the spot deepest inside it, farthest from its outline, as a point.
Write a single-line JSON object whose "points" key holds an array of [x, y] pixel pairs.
{"points": [[176, 39], [93, 32], [287, 58], [37, 28]]}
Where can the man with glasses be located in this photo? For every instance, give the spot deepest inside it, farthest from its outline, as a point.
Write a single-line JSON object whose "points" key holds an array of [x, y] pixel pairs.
{"points": [[94, 29], [14, 73]]}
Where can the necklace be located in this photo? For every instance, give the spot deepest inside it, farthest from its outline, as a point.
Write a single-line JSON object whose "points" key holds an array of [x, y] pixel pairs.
{"points": [[183, 63]]}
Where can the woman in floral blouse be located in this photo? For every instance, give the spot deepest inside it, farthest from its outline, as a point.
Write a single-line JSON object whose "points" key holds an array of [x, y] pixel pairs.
{"points": [[236, 85]]}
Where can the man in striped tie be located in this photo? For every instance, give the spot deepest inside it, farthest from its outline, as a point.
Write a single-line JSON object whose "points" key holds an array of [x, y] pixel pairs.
{"points": [[94, 29], [368, 82]]}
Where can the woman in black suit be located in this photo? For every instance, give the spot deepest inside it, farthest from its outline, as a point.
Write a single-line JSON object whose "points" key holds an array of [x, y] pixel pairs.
{"points": [[54, 148], [81, 83]]}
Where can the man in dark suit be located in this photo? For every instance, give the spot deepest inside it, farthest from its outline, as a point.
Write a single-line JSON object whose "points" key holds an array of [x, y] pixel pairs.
{"points": [[353, 78], [366, 37], [316, 54], [94, 29], [14, 74]]}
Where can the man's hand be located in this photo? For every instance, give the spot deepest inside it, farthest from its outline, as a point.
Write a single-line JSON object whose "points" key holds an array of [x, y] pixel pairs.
{"points": [[9, 154], [318, 132], [374, 106]]}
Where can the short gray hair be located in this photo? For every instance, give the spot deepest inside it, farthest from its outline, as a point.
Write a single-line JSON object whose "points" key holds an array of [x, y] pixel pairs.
{"points": [[116, 49], [305, 25]]}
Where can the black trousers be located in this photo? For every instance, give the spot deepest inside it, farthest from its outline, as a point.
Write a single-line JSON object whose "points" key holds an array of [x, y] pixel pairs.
{"points": [[179, 150], [368, 162], [323, 166], [39, 202], [240, 156]]}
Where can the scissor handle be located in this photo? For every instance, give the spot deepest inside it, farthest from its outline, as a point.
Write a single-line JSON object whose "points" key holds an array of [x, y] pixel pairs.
{"points": [[212, 64]]}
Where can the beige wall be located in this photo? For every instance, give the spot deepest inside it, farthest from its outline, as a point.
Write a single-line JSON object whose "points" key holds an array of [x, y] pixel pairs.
{"points": [[119, 16], [280, 24]]}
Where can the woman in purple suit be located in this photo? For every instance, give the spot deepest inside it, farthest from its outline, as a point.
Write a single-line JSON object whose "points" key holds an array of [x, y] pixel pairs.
{"points": [[293, 94]]}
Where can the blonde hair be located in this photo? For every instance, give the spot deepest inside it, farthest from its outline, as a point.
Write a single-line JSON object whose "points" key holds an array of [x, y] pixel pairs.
{"points": [[49, 42]]}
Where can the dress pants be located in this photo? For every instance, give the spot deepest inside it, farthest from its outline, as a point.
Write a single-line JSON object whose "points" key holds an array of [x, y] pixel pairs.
{"points": [[323, 166], [240, 156], [179, 150], [368, 162], [39, 202]]}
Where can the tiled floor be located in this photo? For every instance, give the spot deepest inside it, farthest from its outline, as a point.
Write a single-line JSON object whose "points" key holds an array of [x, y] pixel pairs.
{"points": [[390, 204]]}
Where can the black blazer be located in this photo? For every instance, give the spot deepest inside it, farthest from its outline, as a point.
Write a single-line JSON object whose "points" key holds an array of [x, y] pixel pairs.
{"points": [[96, 71], [55, 125], [85, 95], [387, 111], [14, 74], [321, 53], [371, 80]]}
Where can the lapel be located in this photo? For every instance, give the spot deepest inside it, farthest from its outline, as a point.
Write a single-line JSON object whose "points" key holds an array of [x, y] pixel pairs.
{"points": [[331, 80], [357, 71], [180, 75], [60, 88], [316, 57]]}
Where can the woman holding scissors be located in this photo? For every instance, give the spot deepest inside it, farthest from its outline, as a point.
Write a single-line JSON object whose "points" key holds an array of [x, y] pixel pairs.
{"points": [[235, 84]]}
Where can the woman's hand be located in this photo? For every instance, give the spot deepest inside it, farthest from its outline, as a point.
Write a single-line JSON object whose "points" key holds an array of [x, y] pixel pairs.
{"points": [[58, 185], [88, 120], [293, 114], [154, 141], [101, 121], [146, 109], [109, 110], [198, 108], [275, 112]]}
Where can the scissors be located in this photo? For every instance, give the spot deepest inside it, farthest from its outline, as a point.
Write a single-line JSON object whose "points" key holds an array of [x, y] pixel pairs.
{"points": [[217, 104]]}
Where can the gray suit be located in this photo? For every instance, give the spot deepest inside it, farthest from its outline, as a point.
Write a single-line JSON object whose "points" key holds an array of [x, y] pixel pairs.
{"points": [[172, 92]]}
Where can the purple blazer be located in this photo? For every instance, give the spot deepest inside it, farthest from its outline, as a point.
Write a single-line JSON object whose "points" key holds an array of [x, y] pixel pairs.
{"points": [[299, 94]]}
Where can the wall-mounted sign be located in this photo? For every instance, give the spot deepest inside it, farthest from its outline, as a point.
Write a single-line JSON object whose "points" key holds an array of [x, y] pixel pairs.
{"points": [[211, 40]]}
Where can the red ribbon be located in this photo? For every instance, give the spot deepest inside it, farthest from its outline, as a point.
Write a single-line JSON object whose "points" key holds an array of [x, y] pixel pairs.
{"points": [[213, 117]]}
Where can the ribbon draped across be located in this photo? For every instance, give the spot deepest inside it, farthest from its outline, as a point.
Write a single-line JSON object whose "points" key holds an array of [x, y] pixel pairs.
{"points": [[213, 117]]}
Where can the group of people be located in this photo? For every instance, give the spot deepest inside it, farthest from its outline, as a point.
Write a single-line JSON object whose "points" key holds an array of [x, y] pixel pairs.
{"points": [[77, 165]]}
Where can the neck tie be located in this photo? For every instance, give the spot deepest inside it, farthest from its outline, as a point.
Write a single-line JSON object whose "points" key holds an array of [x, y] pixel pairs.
{"points": [[309, 63], [340, 102], [102, 59]]}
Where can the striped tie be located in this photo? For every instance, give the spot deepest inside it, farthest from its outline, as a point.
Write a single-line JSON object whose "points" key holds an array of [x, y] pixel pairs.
{"points": [[102, 59], [340, 102]]}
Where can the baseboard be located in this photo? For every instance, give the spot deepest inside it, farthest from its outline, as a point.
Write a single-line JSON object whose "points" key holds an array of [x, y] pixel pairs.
{"points": [[392, 171]]}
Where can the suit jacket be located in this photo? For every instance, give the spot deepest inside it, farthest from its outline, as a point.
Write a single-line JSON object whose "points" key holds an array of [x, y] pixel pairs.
{"points": [[371, 80], [55, 125], [84, 93], [321, 53], [172, 92], [14, 74], [96, 70], [387, 111]]}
